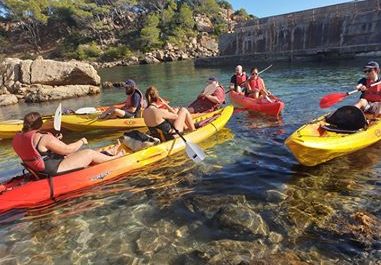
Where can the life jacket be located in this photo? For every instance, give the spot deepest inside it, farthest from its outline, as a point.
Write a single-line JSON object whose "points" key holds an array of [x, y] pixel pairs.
{"points": [[128, 102], [255, 84], [23, 145], [373, 93], [240, 78]]}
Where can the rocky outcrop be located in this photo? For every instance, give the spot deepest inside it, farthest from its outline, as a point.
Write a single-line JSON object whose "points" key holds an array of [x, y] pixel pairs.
{"points": [[43, 80]]}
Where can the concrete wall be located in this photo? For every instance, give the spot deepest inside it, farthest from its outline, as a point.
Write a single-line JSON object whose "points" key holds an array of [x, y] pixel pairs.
{"points": [[338, 30]]}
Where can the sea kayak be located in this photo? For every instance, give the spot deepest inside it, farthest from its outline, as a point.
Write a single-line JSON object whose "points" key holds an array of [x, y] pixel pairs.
{"points": [[89, 122], [9, 128], [262, 105], [17, 194], [312, 144]]}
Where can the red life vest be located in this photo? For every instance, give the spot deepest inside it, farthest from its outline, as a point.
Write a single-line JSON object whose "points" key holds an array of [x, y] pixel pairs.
{"points": [[256, 84], [128, 102], [23, 145], [373, 93], [240, 79]]}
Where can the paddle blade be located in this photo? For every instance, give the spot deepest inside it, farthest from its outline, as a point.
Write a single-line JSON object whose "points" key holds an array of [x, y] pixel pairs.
{"points": [[57, 118], [331, 99], [194, 152], [86, 110]]}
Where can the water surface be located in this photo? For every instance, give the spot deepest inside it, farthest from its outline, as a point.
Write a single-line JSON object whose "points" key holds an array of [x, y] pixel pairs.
{"points": [[249, 201]]}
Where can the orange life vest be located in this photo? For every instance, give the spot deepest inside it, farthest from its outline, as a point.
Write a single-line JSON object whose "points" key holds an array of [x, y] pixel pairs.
{"points": [[373, 93], [23, 145], [240, 79], [256, 84]]}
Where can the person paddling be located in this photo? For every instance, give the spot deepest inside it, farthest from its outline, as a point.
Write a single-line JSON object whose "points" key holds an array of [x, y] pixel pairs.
{"points": [[209, 99], [161, 120], [238, 79], [255, 86], [132, 106], [44, 153], [370, 100]]}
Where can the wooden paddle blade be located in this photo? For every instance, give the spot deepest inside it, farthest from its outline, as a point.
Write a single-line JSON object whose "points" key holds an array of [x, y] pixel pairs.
{"points": [[331, 99], [58, 118], [194, 152]]}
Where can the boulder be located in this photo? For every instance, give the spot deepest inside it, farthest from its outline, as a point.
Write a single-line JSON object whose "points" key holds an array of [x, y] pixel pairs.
{"points": [[8, 99], [149, 59], [49, 72], [208, 43], [25, 71], [41, 93], [159, 55]]}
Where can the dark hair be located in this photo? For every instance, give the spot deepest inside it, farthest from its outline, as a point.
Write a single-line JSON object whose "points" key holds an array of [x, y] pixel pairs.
{"points": [[32, 121], [152, 94], [253, 69]]}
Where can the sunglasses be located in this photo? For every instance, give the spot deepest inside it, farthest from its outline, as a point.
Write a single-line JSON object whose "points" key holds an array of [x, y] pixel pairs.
{"points": [[254, 73], [367, 71]]}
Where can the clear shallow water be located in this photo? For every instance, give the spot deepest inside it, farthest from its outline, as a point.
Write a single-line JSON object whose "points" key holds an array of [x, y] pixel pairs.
{"points": [[249, 201]]}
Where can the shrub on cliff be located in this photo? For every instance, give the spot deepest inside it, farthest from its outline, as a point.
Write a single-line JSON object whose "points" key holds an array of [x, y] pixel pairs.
{"points": [[88, 51], [116, 53]]}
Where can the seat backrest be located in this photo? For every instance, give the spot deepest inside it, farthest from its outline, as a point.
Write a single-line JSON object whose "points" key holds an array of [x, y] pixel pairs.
{"points": [[347, 118], [36, 175]]}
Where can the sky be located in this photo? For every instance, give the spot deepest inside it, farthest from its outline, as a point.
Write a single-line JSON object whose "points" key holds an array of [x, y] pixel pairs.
{"points": [[267, 8]]}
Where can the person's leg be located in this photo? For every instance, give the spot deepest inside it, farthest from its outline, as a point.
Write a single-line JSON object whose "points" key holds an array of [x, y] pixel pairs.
{"points": [[119, 113], [362, 103], [191, 110], [189, 124], [83, 158], [183, 120]]}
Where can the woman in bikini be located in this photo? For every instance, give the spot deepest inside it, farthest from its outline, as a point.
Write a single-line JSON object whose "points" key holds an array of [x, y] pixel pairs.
{"points": [[44, 153], [160, 117]]}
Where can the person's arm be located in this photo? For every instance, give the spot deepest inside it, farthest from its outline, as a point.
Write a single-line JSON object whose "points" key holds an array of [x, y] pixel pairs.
{"points": [[361, 84], [135, 101], [165, 114], [58, 147], [232, 82], [264, 87], [218, 97], [166, 105]]}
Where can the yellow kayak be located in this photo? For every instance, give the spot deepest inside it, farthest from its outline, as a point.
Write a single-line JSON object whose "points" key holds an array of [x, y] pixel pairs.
{"points": [[312, 145], [9, 128], [88, 122]]}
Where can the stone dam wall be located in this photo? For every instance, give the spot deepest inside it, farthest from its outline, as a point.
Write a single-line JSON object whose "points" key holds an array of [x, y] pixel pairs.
{"points": [[337, 31]]}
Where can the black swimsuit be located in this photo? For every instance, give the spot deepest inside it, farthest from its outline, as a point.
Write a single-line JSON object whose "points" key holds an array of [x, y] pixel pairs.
{"points": [[163, 131], [51, 160]]}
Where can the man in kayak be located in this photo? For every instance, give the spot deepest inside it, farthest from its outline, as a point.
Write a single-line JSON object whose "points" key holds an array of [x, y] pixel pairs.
{"points": [[44, 153], [238, 79], [255, 86], [209, 99], [370, 100], [132, 106]]}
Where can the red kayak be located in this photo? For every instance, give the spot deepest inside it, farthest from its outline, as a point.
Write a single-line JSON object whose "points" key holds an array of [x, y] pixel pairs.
{"points": [[27, 192], [262, 105]]}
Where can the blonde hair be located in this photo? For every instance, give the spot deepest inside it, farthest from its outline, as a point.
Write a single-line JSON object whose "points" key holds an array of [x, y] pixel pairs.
{"points": [[152, 95]]}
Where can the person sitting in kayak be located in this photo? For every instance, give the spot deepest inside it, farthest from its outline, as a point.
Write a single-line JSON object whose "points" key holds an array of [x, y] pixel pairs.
{"points": [[255, 86], [209, 99], [132, 106], [238, 79], [161, 120], [44, 153], [370, 100]]}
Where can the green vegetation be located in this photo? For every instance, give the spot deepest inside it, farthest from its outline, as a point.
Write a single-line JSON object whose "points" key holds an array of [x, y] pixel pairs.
{"points": [[109, 30]]}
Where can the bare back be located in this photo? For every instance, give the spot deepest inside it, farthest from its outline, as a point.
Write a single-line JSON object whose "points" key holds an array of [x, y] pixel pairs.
{"points": [[154, 116]]}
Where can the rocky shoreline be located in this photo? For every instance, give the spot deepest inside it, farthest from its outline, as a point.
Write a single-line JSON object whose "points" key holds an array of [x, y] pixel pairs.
{"points": [[42, 80], [197, 47]]}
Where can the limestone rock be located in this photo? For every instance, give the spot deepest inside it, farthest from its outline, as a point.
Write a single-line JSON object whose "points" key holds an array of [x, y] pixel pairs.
{"points": [[208, 43], [25, 71], [8, 100], [41, 93], [149, 59], [49, 72], [204, 24]]}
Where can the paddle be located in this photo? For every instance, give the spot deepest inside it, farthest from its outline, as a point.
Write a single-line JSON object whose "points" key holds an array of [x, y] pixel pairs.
{"points": [[86, 110], [333, 98], [193, 151], [58, 118], [260, 72]]}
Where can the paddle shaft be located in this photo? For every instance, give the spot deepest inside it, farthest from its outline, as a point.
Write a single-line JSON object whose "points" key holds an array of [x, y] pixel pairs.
{"points": [[357, 90]]}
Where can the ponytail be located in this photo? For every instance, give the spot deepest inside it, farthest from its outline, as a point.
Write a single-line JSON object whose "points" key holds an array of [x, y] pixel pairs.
{"points": [[152, 95]]}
